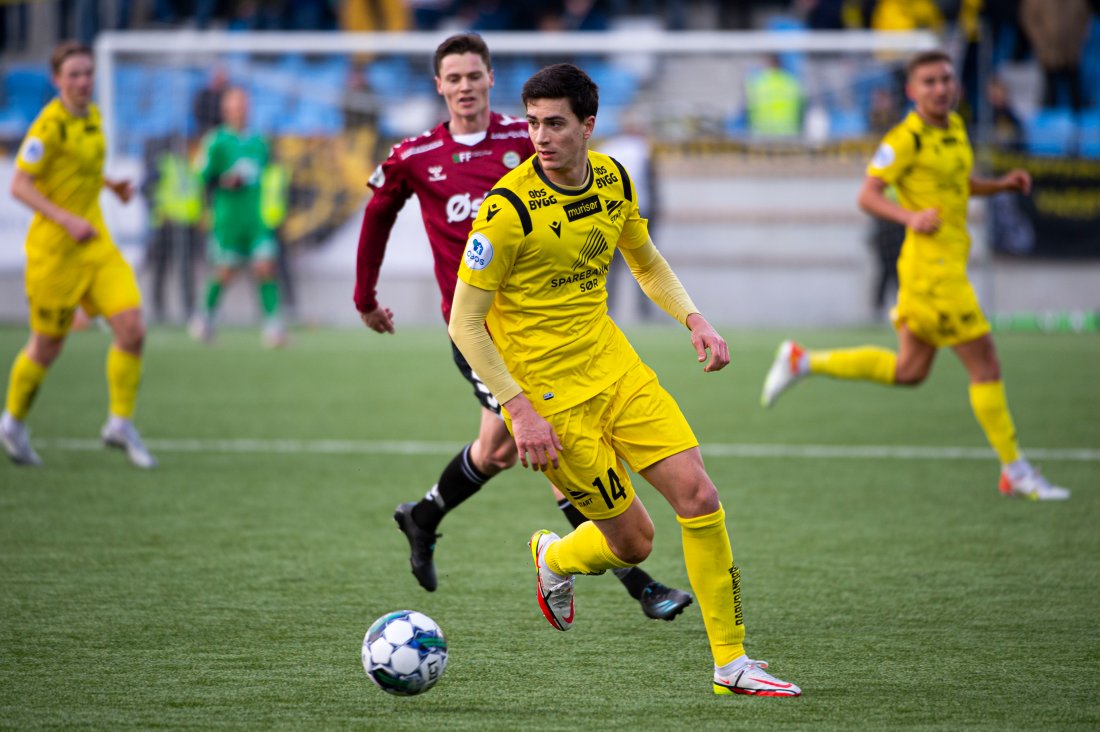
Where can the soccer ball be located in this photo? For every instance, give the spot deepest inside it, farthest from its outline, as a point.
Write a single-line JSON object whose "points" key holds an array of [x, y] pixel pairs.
{"points": [[404, 653]]}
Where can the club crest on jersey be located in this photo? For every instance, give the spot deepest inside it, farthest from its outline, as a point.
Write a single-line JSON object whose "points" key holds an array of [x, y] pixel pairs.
{"points": [[377, 178], [33, 150], [510, 159], [435, 173], [884, 157], [479, 252]]}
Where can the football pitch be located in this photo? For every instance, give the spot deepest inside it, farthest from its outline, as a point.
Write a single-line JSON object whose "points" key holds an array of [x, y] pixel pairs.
{"points": [[231, 587]]}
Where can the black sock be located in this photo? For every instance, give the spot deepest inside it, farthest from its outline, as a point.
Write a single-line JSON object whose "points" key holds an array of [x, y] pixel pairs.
{"points": [[635, 579], [458, 481]]}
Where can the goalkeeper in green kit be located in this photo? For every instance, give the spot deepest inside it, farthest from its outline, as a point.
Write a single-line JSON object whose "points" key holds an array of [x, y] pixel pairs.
{"points": [[231, 164]]}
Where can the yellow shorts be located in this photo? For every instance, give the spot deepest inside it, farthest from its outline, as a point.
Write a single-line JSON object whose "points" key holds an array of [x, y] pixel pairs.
{"points": [[940, 313], [105, 286], [634, 420]]}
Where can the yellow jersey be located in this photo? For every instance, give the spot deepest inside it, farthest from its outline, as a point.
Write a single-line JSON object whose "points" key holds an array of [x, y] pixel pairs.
{"points": [[545, 250], [65, 155], [930, 168]]}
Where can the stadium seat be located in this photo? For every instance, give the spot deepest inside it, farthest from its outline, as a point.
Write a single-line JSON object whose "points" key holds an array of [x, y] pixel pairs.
{"points": [[1051, 132], [1088, 130], [846, 123]]}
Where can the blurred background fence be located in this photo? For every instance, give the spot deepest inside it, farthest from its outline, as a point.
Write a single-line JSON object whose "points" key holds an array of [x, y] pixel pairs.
{"points": [[758, 140]]}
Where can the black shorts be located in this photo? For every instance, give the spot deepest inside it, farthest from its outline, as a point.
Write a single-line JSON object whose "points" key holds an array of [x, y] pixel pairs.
{"points": [[484, 396]]}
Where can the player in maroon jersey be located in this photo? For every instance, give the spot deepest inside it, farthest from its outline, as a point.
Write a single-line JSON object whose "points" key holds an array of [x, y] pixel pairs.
{"points": [[450, 169]]}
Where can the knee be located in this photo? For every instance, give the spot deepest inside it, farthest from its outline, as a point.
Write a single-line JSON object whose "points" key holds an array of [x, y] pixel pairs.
{"points": [[700, 500], [132, 337], [44, 351], [494, 460], [635, 549], [910, 376]]}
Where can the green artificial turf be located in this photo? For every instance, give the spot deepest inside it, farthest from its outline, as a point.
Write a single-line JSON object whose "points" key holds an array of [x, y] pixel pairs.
{"points": [[232, 586]]}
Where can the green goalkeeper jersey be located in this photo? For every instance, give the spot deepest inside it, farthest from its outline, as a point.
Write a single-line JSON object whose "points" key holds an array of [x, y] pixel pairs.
{"points": [[232, 163]]}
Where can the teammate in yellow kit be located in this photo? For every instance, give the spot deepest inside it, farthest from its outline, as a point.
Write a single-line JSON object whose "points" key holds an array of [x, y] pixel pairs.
{"points": [[530, 316], [71, 261], [928, 158]]}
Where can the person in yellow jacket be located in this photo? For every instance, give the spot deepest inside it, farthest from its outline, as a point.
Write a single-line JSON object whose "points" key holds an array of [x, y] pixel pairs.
{"points": [[174, 193], [71, 260], [774, 101]]}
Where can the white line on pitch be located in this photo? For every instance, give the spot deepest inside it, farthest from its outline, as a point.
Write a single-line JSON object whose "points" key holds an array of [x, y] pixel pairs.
{"points": [[712, 450]]}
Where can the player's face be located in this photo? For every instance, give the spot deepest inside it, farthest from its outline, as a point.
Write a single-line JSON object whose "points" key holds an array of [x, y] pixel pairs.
{"points": [[75, 81], [933, 89], [464, 83], [235, 108], [560, 139]]}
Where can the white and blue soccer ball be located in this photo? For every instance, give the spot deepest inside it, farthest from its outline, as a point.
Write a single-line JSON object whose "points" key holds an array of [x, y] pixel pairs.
{"points": [[404, 653]]}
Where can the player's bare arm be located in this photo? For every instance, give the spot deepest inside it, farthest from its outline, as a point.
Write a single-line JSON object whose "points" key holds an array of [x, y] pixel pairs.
{"points": [[1014, 180], [24, 191], [706, 339], [872, 200], [122, 188], [380, 320]]}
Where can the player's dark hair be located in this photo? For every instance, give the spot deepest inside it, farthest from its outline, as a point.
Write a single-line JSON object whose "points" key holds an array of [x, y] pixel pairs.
{"points": [[66, 50], [462, 43], [923, 58], [564, 81]]}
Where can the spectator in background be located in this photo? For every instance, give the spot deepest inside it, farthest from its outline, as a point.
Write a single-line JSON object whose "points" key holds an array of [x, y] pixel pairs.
{"points": [[173, 193], [427, 15], [374, 15], [886, 236], [1058, 31], [904, 15], [774, 101], [207, 106], [1007, 130]]}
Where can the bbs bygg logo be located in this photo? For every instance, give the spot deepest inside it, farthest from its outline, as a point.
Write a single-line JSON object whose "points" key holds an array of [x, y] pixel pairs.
{"points": [[538, 198]]}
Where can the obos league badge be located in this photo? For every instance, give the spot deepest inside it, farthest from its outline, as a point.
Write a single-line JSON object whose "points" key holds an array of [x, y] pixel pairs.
{"points": [[479, 252], [511, 159]]}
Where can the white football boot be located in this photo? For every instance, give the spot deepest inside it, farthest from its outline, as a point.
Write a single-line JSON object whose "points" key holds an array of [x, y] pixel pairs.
{"points": [[751, 679], [17, 441], [786, 370], [1033, 486], [121, 434], [554, 592]]}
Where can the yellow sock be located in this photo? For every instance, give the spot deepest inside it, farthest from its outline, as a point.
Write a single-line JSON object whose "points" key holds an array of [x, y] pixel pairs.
{"points": [[991, 408], [716, 581], [26, 377], [123, 378], [582, 551], [869, 363]]}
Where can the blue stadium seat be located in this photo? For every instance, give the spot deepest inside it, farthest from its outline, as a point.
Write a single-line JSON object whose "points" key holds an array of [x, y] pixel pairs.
{"points": [[1090, 64], [1088, 130], [847, 123], [1051, 132]]}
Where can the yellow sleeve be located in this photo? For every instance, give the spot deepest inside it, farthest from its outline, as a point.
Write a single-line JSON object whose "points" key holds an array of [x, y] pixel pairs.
{"points": [[42, 142], [894, 155], [658, 281], [467, 330]]}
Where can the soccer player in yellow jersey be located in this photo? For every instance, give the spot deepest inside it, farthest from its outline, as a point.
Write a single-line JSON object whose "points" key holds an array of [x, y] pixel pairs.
{"points": [[71, 260], [530, 316], [928, 159]]}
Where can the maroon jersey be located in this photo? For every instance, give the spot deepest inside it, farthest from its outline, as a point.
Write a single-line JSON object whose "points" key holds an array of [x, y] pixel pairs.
{"points": [[450, 180]]}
